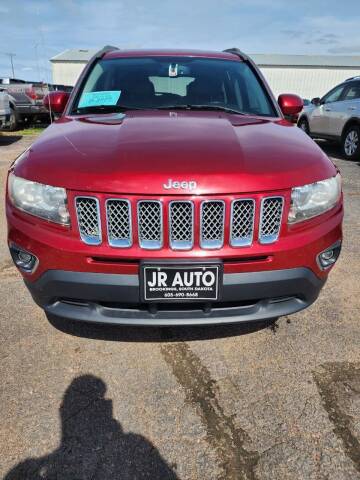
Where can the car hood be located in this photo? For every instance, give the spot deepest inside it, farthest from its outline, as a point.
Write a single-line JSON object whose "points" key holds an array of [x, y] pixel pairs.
{"points": [[139, 152]]}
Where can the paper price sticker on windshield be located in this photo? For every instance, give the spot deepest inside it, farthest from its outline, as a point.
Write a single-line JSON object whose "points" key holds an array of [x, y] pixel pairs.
{"points": [[94, 99]]}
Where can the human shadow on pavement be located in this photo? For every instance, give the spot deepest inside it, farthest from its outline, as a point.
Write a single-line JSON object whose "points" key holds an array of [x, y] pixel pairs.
{"points": [[93, 444], [124, 333]]}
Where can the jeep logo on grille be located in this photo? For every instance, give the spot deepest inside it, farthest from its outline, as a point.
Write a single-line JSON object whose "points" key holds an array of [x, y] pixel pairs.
{"points": [[185, 185]]}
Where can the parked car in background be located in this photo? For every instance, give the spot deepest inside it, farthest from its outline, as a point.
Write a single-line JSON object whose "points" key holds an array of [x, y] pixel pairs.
{"points": [[26, 101], [336, 116], [4, 110]]}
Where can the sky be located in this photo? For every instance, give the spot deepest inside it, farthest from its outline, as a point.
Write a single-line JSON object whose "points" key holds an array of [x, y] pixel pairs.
{"points": [[36, 30]]}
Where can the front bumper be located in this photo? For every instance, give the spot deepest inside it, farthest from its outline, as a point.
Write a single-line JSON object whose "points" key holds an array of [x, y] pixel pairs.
{"points": [[114, 298], [32, 110]]}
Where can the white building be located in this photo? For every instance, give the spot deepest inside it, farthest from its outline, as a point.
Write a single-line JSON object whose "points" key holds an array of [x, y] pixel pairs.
{"points": [[306, 75], [67, 66]]}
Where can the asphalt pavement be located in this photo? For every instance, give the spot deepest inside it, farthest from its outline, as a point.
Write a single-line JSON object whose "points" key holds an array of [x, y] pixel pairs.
{"points": [[230, 402]]}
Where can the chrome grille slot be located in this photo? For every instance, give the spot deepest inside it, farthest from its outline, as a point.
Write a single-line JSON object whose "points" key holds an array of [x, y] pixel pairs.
{"points": [[212, 224], [181, 225], [150, 224], [118, 213], [242, 222], [88, 215], [270, 219]]}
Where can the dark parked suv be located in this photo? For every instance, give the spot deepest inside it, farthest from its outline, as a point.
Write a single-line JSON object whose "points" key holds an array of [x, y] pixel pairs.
{"points": [[173, 191]]}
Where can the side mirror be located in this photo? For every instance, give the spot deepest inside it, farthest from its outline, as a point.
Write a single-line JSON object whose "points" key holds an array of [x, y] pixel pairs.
{"points": [[56, 101], [290, 104], [316, 101]]}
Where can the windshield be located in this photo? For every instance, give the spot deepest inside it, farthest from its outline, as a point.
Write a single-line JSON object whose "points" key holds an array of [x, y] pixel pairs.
{"points": [[173, 82]]}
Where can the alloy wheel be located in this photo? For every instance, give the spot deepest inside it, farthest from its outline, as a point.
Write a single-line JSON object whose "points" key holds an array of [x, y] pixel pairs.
{"points": [[351, 143], [12, 122]]}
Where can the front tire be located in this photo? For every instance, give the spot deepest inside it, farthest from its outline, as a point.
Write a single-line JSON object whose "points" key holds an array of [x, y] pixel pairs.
{"points": [[14, 120], [351, 143], [303, 124]]}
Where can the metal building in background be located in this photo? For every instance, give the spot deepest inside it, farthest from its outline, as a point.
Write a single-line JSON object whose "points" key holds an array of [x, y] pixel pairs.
{"points": [[306, 75], [67, 66]]}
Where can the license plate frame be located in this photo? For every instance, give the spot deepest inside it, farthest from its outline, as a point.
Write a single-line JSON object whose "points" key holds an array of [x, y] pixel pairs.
{"points": [[184, 293]]}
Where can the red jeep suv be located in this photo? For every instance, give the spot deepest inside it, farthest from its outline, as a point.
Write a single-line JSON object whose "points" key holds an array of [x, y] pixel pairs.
{"points": [[172, 191]]}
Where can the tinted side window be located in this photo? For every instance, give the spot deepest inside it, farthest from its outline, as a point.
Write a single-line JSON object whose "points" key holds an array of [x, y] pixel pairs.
{"points": [[353, 92], [334, 95]]}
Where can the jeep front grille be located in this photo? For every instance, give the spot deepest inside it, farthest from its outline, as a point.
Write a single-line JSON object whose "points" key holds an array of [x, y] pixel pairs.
{"points": [[181, 225], [270, 219], [212, 224], [150, 224], [118, 214], [242, 225], [184, 218], [88, 215]]}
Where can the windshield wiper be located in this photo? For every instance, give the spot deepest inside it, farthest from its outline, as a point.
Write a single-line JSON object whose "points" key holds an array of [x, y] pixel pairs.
{"points": [[104, 109], [123, 108], [201, 107]]}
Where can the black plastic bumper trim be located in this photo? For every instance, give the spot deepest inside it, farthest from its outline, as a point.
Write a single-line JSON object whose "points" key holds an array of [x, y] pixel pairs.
{"points": [[253, 296]]}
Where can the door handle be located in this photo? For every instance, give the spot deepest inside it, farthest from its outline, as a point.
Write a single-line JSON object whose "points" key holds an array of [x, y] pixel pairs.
{"points": [[351, 108], [327, 109]]}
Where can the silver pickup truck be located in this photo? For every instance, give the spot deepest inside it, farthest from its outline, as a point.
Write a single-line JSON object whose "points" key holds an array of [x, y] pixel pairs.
{"points": [[4, 110], [26, 101]]}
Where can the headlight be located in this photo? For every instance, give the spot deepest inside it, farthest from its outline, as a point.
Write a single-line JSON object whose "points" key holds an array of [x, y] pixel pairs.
{"points": [[37, 199], [313, 199]]}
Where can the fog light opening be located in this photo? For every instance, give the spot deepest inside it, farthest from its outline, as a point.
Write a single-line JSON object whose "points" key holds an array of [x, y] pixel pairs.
{"points": [[24, 260], [328, 257]]}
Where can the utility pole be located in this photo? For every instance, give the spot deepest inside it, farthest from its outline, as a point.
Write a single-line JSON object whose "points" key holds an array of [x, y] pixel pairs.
{"points": [[37, 60], [11, 55]]}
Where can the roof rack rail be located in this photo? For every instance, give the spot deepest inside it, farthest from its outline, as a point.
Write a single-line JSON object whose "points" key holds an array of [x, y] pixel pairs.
{"points": [[353, 78], [105, 49], [238, 52]]}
